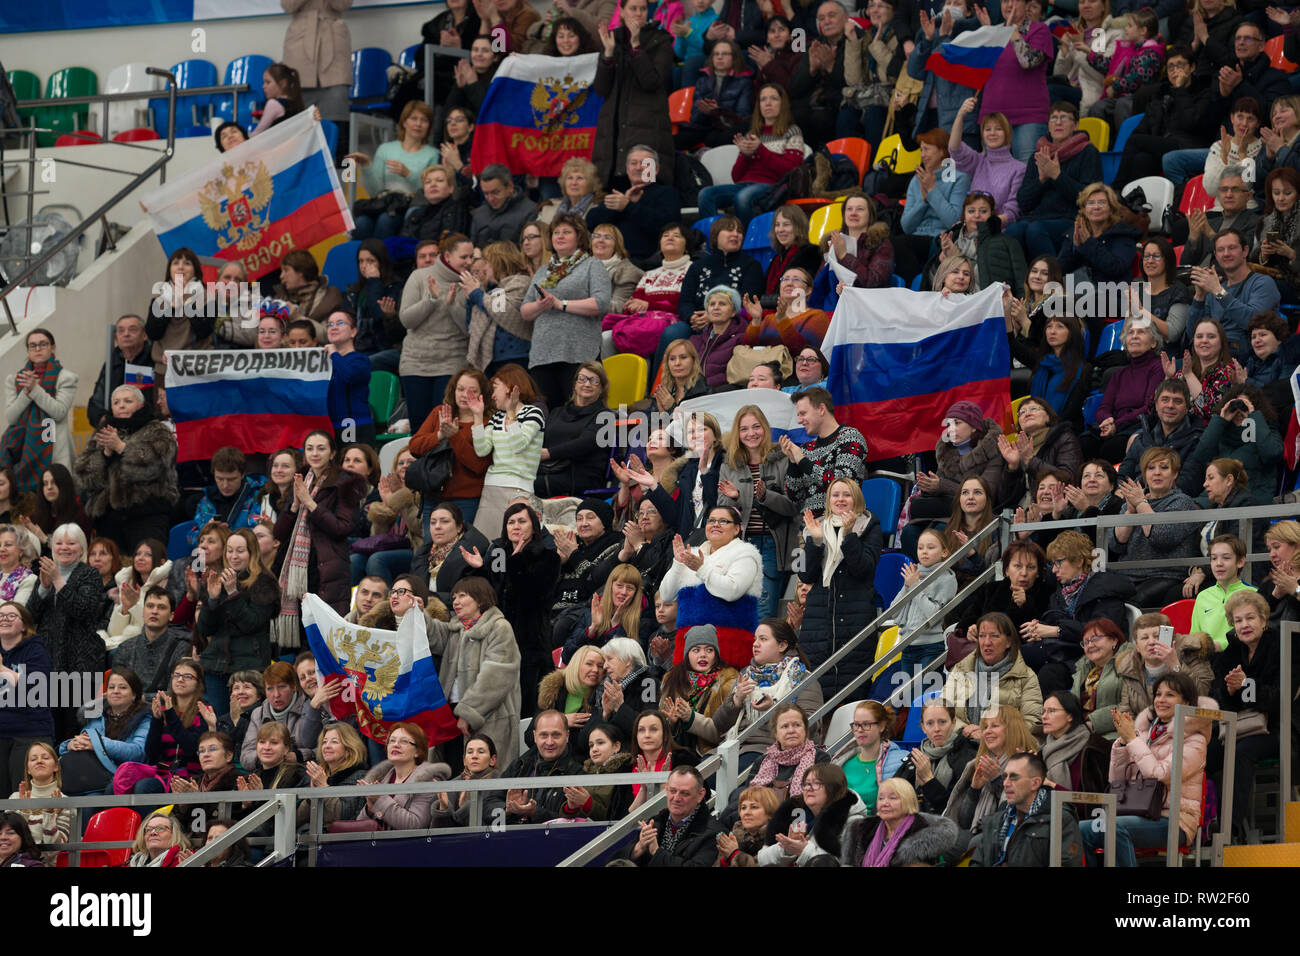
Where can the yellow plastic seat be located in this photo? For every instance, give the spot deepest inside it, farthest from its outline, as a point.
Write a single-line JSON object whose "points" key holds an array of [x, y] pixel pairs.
{"points": [[891, 149], [1098, 131], [627, 378], [824, 220], [888, 638]]}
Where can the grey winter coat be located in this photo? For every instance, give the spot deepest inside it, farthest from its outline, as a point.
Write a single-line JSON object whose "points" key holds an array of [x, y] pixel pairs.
{"points": [[480, 676], [778, 510], [930, 841]]}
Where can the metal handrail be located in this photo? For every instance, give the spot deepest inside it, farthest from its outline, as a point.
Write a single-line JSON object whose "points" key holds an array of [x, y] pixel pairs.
{"points": [[232, 88], [1224, 836]]}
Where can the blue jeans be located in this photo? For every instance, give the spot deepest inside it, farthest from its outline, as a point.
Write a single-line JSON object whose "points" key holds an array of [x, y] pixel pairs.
{"points": [[1024, 140], [773, 577], [1182, 164], [744, 195], [381, 564], [1131, 833], [383, 226], [422, 394], [216, 691], [1040, 237]]}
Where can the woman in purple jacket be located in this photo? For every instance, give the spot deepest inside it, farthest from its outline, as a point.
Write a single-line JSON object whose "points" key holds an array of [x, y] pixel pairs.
{"points": [[993, 170], [1128, 393], [1017, 86], [726, 330]]}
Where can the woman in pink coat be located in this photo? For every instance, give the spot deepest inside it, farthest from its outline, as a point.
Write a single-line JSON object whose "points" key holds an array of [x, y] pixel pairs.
{"points": [[1145, 746]]}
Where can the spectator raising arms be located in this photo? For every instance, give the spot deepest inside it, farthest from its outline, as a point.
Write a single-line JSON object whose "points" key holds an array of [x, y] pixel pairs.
{"points": [[433, 311]]}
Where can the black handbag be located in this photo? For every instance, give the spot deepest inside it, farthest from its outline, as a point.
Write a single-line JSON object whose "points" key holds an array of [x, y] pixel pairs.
{"points": [[430, 473], [82, 773], [1138, 797]]}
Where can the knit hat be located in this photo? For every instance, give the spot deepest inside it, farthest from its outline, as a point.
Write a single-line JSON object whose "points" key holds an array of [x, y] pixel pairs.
{"points": [[702, 634], [600, 508], [726, 290], [967, 412]]}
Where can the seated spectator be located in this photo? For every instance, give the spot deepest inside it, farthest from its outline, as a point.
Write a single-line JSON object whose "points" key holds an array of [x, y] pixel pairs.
{"points": [[741, 846], [1045, 442], [480, 760], [1084, 595], [341, 762], [234, 616], [1188, 654], [17, 579], [393, 177], [456, 551], [615, 611], [811, 370], [994, 171], [817, 85], [683, 379], [575, 692], [433, 312], [972, 511], [1245, 294], [792, 753], [1238, 142], [1061, 373], [286, 703], [771, 148], [149, 568], [127, 472], [826, 798], [1274, 355], [607, 247], [373, 299], [641, 212], [978, 236], [55, 505], [1098, 686], [580, 192], [699, 473], [300, 334], [1260, 80], [396, 512], [1001, 733], [605, 755], [407, 762], [934, 202], [1063, 163], [1246, 433], [938, 762], [1128, 393], [156, 647], [1203, 227], [860, 255], [1283, 540], [171, 752], [775, 61], [1174, 110], [1227, 558], [171, 325], [504, 212], [160, 842], [1168, 299], [1023, 594], [443, 211], [474, 75], [282, 88], [972, 687], [1102, 246], [1278, 237], [840, 555], [38, 398], [42, 778], [1170, 427], [246, 693], [790, 248], [698, 686], [234, 500], [1155, 587], [691, 36], [117, 735], [1279, 138], [680, 835], [308, 292], [458, 128], [548, 757], [899, 834], [1136, 62], [723, 102], [718, 339], [648, 547], [1143, 745], [1207, 367], [653, 305], [870, 758], [789, 325], [1017, 833]]}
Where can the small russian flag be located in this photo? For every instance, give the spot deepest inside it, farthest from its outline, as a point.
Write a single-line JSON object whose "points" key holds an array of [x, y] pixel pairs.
{"points": [[141, 376]]}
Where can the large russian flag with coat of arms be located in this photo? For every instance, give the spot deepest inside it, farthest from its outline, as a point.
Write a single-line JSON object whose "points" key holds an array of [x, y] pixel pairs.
{"points": [[539, 112], [272, 194], [968, 60], [899, 359], [388, 676]]}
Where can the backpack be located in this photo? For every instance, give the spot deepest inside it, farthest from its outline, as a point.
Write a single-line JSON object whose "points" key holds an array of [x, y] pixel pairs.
{"points": [[844, 175], [691, 177]]}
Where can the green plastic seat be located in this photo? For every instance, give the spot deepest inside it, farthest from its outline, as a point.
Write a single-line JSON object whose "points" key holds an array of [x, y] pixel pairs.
{"points": [[70, 81], [27, 86], [385, 396]]}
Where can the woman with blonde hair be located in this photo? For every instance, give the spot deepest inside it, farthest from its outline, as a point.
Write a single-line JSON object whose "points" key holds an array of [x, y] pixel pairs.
{"points": [[342, 760], [978, 791], [535, 244], [43, 777], [575, 689], [160, 842], [580, 187], [898, 834], [1102, 246], [1283, 542], [393, 176], [607, 246], [683, 379], [752, 477], [615, 611], [237, 605]]}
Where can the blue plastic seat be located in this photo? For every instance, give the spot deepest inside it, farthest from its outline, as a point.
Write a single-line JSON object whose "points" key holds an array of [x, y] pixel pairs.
{"points": [[757, 241], [897, 282], [341, 264], [1110, 160], [192, 132], [412, 57], [884, 499], [703, 225], [1112, 338], [178, 545], [370, 80], [889, 577], [916, 281], [244, 69], [1090, 406]]}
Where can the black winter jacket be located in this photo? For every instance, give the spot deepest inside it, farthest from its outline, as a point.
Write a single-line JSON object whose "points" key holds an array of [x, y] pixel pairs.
{"points": [[1104, 594], [573, 440]]}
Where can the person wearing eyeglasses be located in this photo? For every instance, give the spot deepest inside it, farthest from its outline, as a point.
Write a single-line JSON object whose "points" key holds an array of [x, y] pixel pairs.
{"points": [[1097, 682], [811, 370], [870, 757], [1064, 162], [571, 442], [41, 392], [1018, 832], [408, 762], [812, 821], [349, 389], [24, 659], [1247, 73], [794, 323], [160, 842], [1197, 234]]}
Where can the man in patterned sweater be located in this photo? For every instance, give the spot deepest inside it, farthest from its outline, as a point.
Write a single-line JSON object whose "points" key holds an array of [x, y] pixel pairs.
{"points": [[832, 451]]}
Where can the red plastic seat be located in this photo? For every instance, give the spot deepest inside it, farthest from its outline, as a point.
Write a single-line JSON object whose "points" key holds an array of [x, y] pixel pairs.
{"points": [[107, 826], [679, 105], [1180, 614], [856, 149], [1276, 58], [555, 655], [81, 137], [1194, 196], [137, 135]]}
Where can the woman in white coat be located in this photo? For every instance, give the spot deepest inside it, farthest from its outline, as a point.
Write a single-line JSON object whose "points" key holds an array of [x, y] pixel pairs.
{"points": [[718, 584], [38, 413]]}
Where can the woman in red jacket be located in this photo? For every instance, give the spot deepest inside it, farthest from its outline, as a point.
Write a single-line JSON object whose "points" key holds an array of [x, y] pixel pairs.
{"points": [[452, 422], [772, 147]]}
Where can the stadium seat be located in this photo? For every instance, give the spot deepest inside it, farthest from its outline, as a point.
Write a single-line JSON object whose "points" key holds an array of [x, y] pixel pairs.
{"points": [[856, 149], [242, 70], [889, 576], [824, 220], [1160, 194], [82, 137], [888, 638], [412, 57], [718, 161], [369, 80], [140, 135], [1090, 406], [113, 825], [679, 105], [27, 86], [128, 114], [178, 545], [1011, 422], [341, 264], [1180, 614], [1134, 612], [840, 720], [191, 132], [191, 75], [897, 282], [1110, 160], [524, 724], [70, 81], [1194, 196], [757, 241], [1276, 58], [892, 153], [385, 395], [1098, 131], [884, 499], [1112, 338], [917, 280], [627, 379]]}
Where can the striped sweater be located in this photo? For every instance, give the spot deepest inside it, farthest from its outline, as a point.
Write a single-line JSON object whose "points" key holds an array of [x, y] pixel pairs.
{"points": [[516, 449]]}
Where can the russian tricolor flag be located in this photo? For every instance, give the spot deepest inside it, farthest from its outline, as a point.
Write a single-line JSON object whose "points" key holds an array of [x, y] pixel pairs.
{"points": [[969, 59], [258, 400], [389, 676], [899, 359], [272, 194], [539, 112]]}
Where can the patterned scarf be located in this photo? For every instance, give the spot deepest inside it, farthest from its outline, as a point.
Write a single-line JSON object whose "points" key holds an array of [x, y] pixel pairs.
{"points": [[558, 268], [700, 687], [438, 554], [765, 675], [1008, 824], [801, 758], [673, 833], [10, 582], [1090, 689], [881, 850], [24, 448], [1070, 593], [293, 579], [1157, 730]]}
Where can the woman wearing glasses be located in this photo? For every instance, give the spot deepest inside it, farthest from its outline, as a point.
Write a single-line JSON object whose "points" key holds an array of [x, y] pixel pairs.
{"points": [[40, 393], [811, 370], [870, 758], [349, 391], [571, 443], [793, 324], [160, 842], [408, 752], [719, 583], [813, 821], [1098, 685]]}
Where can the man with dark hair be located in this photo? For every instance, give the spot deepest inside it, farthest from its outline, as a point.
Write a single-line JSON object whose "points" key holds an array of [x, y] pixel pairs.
{"points": [[130, 347], [426, 253], [1048, 196], [685, 834], [1198, 231], [504, 211], [156, 649], [832, 451], [548, 757], [1018, 832], [1169, 427], [1233, 299], [643, 210], [232, 499]]}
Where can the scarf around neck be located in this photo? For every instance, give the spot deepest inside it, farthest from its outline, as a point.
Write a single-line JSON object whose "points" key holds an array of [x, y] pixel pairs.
{"points": [[939, 765], [10, 582], [1070, 592], [986, 675], [1009, 817], [559, 267], [23, 444], [293, 576], [280, 715], [801, 758], [1059, 752], [1067, 150], [881, 850], [833, 533]]}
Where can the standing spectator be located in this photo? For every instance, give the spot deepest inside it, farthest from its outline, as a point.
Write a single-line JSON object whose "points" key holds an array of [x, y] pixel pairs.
{"points": [[373, 299], [453, 422], [349, 389], [934, 203], [37, 408], [1017, 86], [307, 291], [498, 333], [832, 451], [171, 325], [817, 85], [237, 605], [1135, 63], [433, 311], [288, 704], [130, 347], [318, 46], [512, 435], [860, 255]]}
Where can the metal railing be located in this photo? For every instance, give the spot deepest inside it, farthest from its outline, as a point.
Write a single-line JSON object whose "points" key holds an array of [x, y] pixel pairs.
{"points": [[1107, 801]]}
